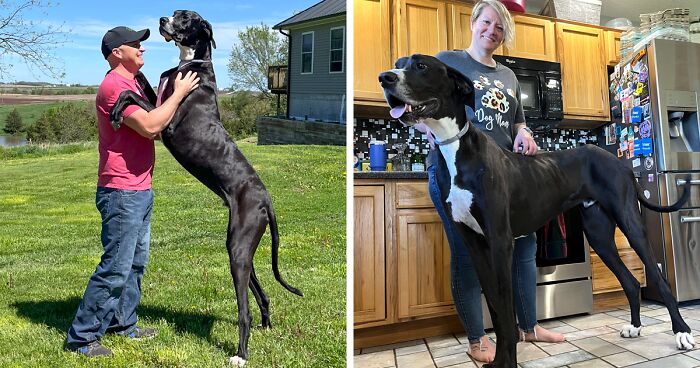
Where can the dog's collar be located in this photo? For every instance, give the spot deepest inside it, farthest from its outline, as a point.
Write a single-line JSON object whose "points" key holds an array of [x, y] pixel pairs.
{"points": [[195, 61], [455, 138]]}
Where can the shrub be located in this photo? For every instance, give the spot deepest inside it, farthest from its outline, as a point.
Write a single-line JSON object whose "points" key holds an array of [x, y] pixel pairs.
{"points": [[71, 122], [13, 123], [240, 110]]}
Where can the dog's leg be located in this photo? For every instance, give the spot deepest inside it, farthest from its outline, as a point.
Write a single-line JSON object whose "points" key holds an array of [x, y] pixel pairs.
{"points": [[246, 228], [262, 299], [241, 263], [629, 219], [125, 99], [600, 232], [493, 259]]}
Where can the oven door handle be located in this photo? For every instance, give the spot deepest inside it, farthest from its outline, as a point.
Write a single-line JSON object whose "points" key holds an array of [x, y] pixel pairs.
{"points": [[682, 182], [685, 219]]}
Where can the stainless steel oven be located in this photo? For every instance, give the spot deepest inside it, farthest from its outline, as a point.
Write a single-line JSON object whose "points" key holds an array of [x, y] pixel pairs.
{"points": [[563, 267]]}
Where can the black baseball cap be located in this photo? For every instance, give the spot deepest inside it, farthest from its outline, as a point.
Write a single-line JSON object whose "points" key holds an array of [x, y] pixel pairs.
{"points": [[118, 36]]}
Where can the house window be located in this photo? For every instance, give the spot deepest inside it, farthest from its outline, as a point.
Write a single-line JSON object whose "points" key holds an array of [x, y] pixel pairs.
{"points": [[307, 53], [337, 49]]}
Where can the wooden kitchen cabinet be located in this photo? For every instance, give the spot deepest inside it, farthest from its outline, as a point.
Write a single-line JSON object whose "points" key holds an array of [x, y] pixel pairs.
{"points": [[423, 265], [369, 253], [420, 27], [581, 52], [417, 296], [534, 39], [372, 47], [612, 47], [413, 272]]}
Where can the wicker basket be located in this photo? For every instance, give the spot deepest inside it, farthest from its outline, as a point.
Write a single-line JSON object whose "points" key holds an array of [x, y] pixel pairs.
{"points": [[585, 11]]}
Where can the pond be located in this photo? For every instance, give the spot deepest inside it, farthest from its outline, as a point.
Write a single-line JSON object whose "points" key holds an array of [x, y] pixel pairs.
{"points": [[12, 140]]}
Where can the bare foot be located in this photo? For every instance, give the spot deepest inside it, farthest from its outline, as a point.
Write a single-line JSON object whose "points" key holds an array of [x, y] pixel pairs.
{"points": [[483, 351], [541, 334]]}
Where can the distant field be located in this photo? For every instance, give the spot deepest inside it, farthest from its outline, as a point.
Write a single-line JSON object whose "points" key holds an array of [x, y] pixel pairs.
{"points": [[30, 112], [46, 90], [19, 99]]}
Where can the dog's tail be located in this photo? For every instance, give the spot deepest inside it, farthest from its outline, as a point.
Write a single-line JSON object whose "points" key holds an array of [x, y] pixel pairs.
{"points": [[275, 252], [672, 208]]}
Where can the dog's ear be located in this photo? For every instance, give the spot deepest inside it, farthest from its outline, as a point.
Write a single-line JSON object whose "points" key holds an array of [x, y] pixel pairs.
{"points": [[209, 32], [400, 63], [463, 86]]}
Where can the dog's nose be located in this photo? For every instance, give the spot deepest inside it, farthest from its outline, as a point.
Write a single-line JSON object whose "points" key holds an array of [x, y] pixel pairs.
{"points": [[163, 20], [388, 78]]}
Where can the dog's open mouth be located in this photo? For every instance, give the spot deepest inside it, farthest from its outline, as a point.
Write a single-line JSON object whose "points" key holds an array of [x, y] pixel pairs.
{"points": [[400, 108]]}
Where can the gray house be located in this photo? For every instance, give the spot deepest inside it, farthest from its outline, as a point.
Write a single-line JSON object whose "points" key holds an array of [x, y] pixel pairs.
{"points": [[317, 62]]}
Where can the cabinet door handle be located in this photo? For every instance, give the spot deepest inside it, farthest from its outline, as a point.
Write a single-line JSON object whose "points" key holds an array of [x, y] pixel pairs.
{"points": [[685, 219], [681, 182]]}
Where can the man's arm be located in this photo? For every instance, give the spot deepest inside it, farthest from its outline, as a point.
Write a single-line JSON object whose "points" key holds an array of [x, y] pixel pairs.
{"points": [[150, 123]]}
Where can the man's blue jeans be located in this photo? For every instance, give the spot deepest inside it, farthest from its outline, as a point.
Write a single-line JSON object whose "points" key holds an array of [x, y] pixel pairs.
{"points": [[466, 289], [114, 290]]}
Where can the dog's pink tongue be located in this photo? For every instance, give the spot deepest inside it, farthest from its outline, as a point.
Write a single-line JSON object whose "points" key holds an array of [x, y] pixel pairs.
{"points": [[397, 112]]}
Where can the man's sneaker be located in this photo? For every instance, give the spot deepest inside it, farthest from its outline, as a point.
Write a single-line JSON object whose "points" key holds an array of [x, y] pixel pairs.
{"points": [[142, 333], [93, 349]]}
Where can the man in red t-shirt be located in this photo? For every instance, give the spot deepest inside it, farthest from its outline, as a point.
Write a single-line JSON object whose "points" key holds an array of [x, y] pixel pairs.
{"points": [[124, 196]]}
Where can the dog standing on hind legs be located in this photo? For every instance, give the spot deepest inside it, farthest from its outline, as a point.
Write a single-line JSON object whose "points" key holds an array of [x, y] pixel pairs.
{"points": [[199, 142], [495, 195]]}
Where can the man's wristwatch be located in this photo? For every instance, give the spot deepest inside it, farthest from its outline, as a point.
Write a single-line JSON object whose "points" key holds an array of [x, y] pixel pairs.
{"points": [[528, 130]]}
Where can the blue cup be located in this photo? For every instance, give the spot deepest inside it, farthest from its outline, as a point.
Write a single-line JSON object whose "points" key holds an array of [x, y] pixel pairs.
{"points": [[377, 156]]}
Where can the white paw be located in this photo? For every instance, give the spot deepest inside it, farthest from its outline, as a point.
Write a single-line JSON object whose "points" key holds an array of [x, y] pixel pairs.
{"points": [[236, 361], [685, 341], [631, 331]]}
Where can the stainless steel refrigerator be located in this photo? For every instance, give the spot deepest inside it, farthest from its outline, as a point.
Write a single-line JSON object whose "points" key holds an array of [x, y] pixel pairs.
{"points": [[655, 129]]}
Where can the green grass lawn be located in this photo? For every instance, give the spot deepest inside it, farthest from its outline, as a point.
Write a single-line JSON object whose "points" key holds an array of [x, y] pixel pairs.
{"points": [[49, 247]]}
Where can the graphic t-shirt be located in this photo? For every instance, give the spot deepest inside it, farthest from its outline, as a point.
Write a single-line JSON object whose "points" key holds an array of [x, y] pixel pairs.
{"points": [[497, 105], [126, 158]]}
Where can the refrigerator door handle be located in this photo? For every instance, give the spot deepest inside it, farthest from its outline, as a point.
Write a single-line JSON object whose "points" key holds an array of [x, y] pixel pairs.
{"points": [[685, 219], [681, 182]]}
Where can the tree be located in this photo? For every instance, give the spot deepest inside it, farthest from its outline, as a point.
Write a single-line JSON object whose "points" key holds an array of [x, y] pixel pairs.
{"points": [[28, 40], [257, 49], [13, 123]]}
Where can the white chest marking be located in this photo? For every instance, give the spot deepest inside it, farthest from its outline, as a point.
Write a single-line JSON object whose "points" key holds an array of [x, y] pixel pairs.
{"points": [[186, 53], [461, 202], [459, 199]]}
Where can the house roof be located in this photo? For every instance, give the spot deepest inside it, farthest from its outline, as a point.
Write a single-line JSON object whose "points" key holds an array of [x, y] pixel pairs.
{"points": [[324, 9]]}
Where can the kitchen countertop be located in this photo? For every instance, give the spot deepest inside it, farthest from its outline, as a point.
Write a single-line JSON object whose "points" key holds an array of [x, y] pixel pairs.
{"points": [[390, 175]]}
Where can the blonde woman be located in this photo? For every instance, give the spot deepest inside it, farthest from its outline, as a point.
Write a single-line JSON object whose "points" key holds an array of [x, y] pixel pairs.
{"points": [[499, 113]]}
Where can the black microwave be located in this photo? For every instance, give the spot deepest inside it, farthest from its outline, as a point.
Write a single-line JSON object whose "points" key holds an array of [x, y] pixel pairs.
{"points": [[540, 89]]}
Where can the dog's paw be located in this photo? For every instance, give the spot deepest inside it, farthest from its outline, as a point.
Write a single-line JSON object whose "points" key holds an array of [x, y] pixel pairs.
{"points": [[236, 361], [631, 331], [116, 121], [685, 341]]}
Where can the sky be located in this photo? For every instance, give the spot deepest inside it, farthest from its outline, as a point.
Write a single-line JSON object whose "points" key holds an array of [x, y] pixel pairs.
{"points": [[87, 22]]}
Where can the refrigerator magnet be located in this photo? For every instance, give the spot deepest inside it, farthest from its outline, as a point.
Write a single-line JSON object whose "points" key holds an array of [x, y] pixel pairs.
{"points": [[649, 163], [636, 162], [650, 177], [645, 129], [637, 114], [647, 146]]}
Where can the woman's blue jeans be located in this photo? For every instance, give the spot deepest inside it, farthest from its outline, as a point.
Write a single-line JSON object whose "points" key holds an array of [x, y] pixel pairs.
{"points": [[466, 290], [114, 289]]}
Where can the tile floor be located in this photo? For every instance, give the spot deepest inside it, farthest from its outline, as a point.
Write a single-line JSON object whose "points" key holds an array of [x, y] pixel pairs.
{"points": [[593, 341]]}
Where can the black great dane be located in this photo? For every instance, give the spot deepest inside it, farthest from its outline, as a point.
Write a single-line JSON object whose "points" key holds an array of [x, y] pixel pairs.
{"points": [[199, 142], [495, 195]]}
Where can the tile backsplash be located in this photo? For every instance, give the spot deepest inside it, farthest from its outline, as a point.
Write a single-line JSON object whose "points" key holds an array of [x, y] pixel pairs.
{"points": [[392, 131]]}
